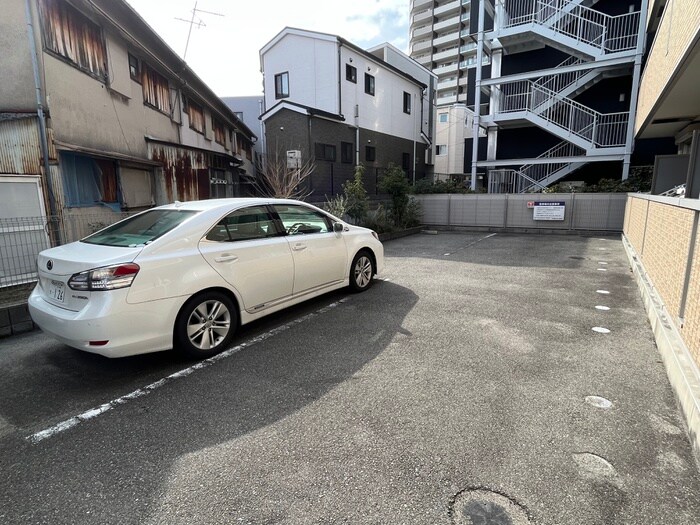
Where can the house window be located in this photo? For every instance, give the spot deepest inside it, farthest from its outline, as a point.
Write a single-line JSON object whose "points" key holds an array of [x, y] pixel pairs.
{"points": [[88, 181], [73, 37], [370, 153], [134, 69], [443, 117], [369, 84], [325, 152], [156, 92], [351, 73], [407, 103], [282, 85], [346, 152], [219, 132], [441, 149], [195, 114], [406, 161]]}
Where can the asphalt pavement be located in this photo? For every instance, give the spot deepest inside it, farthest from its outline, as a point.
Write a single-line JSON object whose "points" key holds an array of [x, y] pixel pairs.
{"points": [[468, 382]]}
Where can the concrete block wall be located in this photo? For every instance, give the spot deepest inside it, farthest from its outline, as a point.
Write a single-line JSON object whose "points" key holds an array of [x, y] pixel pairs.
{"points": [[15, 320]]}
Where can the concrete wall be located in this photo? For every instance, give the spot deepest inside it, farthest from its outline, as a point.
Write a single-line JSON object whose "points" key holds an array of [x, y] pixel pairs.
{"points": [[17, 84], [584, 211]]}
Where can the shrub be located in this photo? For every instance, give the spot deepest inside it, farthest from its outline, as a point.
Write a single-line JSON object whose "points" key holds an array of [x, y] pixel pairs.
{"points": [[414, 214], [378, 220], [337, 205], [395, 183], [356, 195]]}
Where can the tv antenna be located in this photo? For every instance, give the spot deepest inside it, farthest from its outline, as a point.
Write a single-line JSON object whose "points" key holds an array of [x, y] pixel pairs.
{"points": [[199, 23]]}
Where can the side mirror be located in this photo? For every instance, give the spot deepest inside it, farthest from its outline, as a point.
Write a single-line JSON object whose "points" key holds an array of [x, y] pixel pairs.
{"points": [[338, 227]]}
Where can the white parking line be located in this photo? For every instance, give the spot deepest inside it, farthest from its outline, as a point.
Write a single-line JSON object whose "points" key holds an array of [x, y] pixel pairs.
{"points": [[470, 244], [94, 412]]}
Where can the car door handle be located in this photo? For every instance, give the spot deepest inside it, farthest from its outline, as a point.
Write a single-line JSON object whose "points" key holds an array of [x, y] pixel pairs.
{"points": [[226, 257], [299, 247]]}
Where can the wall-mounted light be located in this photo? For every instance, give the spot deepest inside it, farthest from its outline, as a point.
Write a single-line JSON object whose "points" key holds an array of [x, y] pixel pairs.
{"points": [[369, 68], [351, 60]]}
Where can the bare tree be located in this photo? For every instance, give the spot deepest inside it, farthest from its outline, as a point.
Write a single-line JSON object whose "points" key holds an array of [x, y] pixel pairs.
{"points": [[280, 177]]}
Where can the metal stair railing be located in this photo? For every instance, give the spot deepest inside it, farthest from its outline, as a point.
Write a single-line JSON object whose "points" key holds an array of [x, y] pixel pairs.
{"points": [[608, 34], [510, 181], [597, 129], [561, 81], [540, 172]]}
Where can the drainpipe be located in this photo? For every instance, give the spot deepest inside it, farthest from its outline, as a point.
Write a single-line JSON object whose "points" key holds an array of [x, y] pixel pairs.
{"points": [[477, 91], [40, 111], [357, 134]]}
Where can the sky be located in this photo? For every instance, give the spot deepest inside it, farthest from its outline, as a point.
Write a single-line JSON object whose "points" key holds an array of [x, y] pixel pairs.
{"points": [[225, 53]]}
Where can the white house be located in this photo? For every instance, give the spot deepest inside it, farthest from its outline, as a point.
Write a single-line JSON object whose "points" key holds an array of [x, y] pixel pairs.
{"points": [[342, 106]]}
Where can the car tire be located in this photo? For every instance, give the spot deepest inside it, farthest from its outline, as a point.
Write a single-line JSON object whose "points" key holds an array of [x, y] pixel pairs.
{"points": [[361, 271], [205, 325]]}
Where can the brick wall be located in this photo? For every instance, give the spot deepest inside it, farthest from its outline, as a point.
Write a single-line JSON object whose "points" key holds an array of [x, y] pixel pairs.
{"points": [[666, 247], [635, 224], [662, 236]]}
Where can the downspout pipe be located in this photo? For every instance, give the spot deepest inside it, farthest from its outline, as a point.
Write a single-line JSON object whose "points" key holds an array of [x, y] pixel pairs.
{"points": [[40, 110], [477, 91]]}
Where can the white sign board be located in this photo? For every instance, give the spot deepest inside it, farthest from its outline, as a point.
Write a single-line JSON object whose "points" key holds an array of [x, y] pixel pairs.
{"points": [[549, 211], [293, 159]]}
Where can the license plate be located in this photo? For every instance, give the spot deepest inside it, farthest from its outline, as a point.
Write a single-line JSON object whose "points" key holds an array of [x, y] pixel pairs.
{"points": [[57, 291]]}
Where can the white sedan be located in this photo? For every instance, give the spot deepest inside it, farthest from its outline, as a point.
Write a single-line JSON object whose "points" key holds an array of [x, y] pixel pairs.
{"points": [[186, 275]]}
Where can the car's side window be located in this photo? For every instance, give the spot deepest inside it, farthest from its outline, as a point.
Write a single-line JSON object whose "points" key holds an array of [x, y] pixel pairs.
{"points": [[243, 225], [300, 220]]}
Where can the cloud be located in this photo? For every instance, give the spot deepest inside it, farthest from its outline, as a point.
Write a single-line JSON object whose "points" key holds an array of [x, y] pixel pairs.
{"points": [[225, 53]]}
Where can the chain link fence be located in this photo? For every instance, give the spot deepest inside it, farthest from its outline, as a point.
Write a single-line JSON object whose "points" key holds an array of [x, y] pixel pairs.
{"points": [[22, 238]]}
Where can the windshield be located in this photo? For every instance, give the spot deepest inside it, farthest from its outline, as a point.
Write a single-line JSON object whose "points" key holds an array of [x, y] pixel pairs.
{"points": [[139, 230]]}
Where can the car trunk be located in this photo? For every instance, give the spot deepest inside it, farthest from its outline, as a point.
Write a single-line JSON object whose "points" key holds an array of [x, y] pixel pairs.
{"points": [[57, 265]]}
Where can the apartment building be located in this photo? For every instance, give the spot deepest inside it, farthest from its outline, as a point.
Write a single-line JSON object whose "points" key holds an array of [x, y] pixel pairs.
{"points": [[341, 106], [441, 40], [99, 116], [669, 104], [248, 110], [555, 82]]}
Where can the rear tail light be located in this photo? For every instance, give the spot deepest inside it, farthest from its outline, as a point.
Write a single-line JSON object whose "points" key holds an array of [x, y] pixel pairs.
{"points": [[107, 278]]}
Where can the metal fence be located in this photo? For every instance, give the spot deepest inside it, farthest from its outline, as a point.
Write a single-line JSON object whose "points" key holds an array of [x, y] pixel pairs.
{"points": [[583, 211], [22, 238]]}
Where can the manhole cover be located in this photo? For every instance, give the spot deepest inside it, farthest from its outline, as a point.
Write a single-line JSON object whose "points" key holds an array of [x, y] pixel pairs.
{"points": [[484, 507]]}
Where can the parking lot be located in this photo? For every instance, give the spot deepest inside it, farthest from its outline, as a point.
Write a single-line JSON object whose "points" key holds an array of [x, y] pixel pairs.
{"points": [[470, 368]]}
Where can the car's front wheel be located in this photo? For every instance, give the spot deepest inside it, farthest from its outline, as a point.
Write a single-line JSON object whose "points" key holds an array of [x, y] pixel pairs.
{"points": [[361, 271], [206, 324]]}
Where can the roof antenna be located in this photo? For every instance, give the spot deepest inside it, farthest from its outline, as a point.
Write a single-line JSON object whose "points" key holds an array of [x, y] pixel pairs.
{"points": [[199, 23]]}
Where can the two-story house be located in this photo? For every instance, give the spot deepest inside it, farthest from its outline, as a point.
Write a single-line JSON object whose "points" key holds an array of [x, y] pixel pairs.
{"points": [[341, 106], [98, 116]]}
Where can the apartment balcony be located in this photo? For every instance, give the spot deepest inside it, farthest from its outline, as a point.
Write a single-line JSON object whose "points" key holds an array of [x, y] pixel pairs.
{"points": [[441, 101], [451, 83], [468, 48], [448, 53], [447, 38], [449, 68], [448, 8], [422, 16], [450, 23], [422, 3], [422, 31], [417, 47], [424, 60]]}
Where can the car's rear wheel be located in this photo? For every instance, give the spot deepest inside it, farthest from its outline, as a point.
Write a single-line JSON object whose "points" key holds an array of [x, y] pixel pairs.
{"points": [[361, 271], [206, 324]]}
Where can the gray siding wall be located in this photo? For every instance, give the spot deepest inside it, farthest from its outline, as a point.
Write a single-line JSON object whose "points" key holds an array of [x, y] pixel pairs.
{"points": [[584, 211]]}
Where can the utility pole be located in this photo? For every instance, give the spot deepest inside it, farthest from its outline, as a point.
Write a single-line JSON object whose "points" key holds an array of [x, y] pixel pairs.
{"points": [[199, 23]]}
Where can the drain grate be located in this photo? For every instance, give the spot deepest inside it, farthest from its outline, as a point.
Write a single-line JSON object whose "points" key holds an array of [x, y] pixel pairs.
{"points": [[485, 507]]}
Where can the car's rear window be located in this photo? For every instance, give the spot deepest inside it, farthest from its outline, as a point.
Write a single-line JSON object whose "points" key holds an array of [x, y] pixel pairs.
{"points": [[141, 229]]}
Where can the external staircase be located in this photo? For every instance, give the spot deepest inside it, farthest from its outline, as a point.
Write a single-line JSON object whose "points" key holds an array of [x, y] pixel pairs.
{"points": [[591, 38]]}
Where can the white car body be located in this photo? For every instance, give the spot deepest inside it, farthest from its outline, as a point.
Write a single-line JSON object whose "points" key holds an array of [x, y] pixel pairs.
{"points": [[262, 275]]}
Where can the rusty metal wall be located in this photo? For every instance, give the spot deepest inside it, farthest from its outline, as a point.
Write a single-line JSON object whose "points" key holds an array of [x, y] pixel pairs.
{"points": [[20, 148], [185, 172]]}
